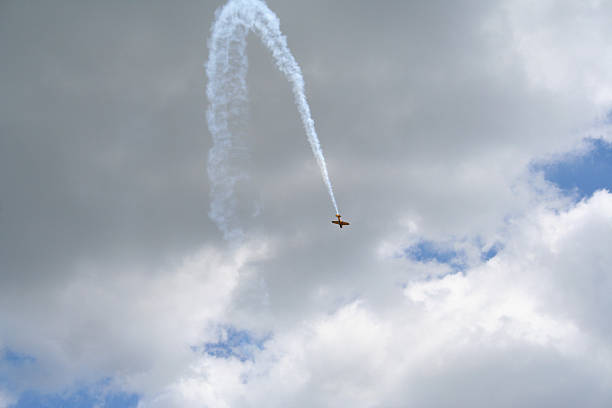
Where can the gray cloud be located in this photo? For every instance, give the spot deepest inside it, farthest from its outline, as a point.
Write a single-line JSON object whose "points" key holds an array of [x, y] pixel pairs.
{"points": [[428, 113], [103, 145]]}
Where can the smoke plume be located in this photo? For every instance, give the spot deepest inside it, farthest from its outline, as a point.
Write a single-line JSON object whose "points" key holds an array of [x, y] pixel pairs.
{"points": [[227, 94]]}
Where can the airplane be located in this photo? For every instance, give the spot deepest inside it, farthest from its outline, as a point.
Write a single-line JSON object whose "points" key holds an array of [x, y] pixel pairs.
{"points": [[340, 222]]}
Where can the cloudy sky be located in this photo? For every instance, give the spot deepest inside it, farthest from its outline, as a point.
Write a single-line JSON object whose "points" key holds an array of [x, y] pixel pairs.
{"points": [[469, 145]]}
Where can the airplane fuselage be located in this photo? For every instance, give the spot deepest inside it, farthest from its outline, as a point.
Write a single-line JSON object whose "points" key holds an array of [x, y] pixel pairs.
{"points": [[340, 223]]}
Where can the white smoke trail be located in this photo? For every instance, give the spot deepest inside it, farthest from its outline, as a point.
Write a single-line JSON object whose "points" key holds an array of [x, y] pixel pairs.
{"points": [[227, 95]]}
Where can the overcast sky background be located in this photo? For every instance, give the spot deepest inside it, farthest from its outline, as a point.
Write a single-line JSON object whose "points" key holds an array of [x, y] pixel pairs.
{"points": [[468, 144]]}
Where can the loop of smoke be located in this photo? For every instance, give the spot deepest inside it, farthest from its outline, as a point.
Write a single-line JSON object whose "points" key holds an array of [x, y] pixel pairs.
{"points": [[227, 94]]}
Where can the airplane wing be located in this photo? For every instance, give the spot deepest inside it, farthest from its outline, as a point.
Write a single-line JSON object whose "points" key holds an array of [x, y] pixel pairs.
{"points": [[344, 223], [337, 222]]}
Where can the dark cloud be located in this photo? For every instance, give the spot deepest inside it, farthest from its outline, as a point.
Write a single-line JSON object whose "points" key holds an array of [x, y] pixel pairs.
{"points": [[104, 141]]}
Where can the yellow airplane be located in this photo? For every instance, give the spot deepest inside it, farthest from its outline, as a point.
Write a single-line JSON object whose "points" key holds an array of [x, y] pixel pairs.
{"points": [[340, 222]]}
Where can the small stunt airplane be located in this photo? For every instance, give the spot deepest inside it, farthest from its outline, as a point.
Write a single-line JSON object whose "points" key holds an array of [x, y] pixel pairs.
{"points": [[340, 222]]}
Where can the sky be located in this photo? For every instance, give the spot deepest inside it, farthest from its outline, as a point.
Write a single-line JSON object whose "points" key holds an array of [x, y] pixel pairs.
{"points": [[469, 146]]}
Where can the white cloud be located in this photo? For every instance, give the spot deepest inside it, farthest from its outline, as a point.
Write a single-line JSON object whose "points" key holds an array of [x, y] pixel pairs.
{"points": [[565, 46], [524, 312], [6, 399], [134, 326]]}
